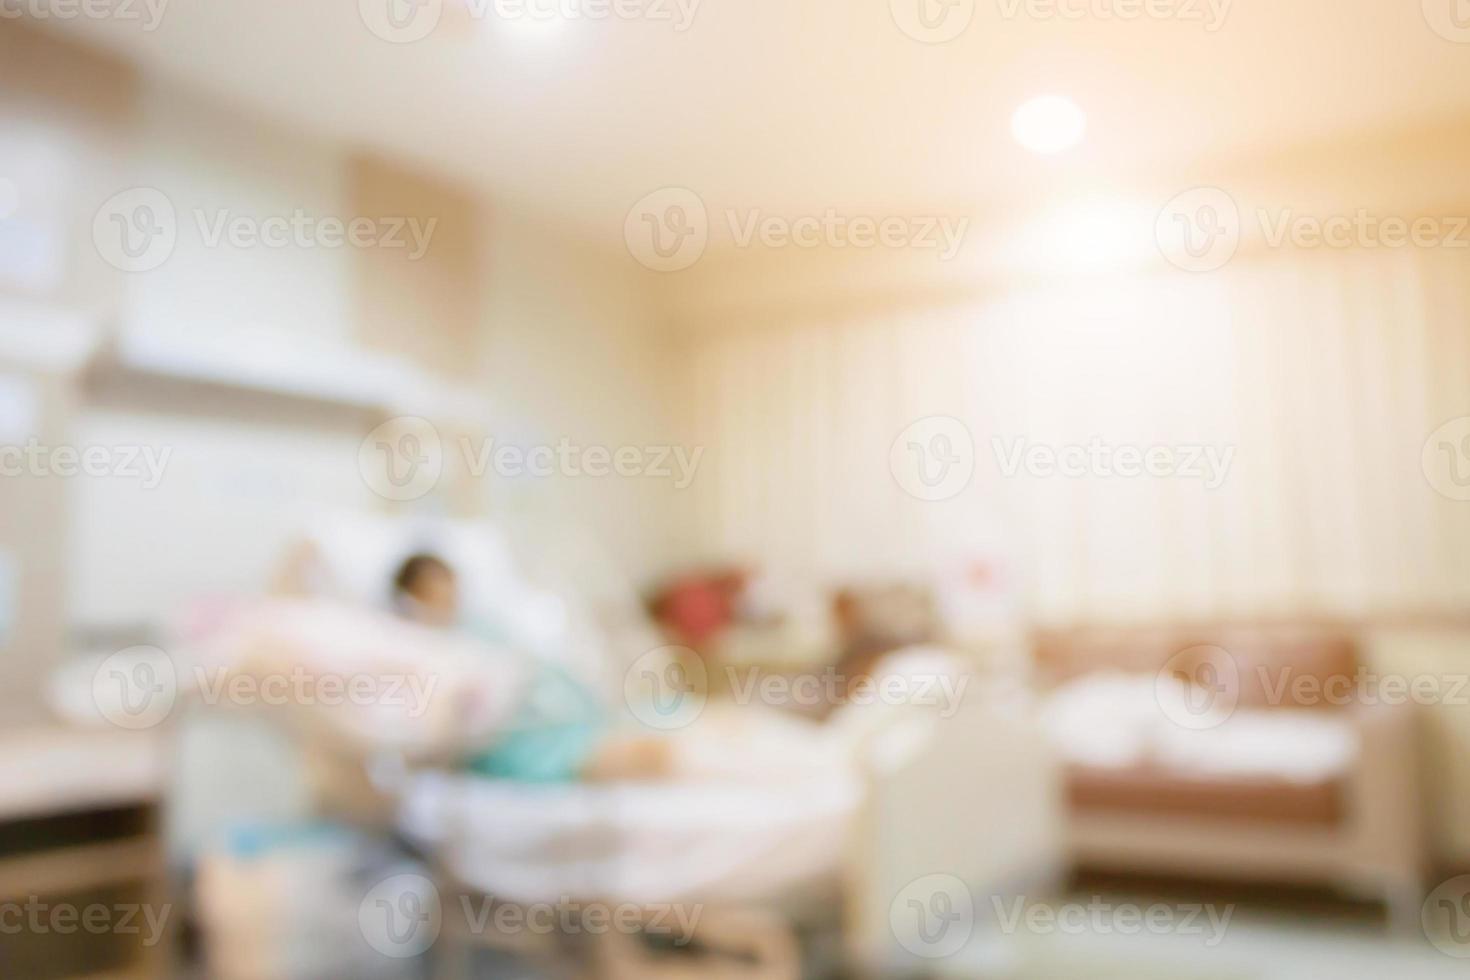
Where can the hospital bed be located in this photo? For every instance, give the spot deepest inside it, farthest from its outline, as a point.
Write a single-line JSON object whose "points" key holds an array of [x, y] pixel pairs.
{"points": [[772, 825]]}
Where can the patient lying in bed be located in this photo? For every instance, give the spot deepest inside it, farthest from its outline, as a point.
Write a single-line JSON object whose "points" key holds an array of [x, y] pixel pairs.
{"points": [[559, 730], [488, 708]]}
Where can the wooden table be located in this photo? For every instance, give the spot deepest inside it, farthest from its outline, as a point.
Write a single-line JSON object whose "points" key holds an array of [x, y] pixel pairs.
{"points": [[80, 833]]}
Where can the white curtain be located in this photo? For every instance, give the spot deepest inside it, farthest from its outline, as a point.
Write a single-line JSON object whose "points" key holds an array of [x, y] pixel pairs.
{"points": [[1323, 374]]}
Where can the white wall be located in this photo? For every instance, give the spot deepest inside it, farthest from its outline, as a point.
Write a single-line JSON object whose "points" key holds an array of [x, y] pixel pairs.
{"points": [[236, 486], [567, 351], [208, 161], [575, 352]]}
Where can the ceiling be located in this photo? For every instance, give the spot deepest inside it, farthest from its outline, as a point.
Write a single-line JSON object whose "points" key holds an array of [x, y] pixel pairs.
{"points": [[807, 104]]}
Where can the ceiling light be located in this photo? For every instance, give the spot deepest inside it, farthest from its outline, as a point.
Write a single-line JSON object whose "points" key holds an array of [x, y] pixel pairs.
{"points": [[1048, 124]]}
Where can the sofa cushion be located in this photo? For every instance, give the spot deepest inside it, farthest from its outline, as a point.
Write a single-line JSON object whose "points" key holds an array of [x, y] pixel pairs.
{"points": [[1124, 753]]}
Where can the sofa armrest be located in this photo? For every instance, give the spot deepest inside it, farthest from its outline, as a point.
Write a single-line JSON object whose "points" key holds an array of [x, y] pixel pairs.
{"points": [[1385, 813]]}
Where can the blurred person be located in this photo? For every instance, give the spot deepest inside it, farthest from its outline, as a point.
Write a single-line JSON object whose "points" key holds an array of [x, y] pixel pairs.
{"points": [[426, 591], [560, 730]]}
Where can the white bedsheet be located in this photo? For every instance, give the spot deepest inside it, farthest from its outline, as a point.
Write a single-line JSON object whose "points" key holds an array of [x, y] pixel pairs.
{"points": [[724, 841], [765, 808]]}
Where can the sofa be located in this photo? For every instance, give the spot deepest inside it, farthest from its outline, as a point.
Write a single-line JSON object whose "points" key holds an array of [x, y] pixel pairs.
{"points": [[1232, 750]]}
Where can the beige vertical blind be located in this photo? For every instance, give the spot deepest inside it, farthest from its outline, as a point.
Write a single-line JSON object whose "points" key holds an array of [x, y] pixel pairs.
{"points": [[1321, 375]]}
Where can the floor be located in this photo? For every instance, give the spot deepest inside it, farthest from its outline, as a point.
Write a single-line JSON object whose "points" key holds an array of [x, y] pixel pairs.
{"points": [[1267, 936], [1260, 941]]}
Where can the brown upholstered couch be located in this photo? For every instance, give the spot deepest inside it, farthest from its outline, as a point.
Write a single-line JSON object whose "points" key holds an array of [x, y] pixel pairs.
{"points": [[1354, 823]]}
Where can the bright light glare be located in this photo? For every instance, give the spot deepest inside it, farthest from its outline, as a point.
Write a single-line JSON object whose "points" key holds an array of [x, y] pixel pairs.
{"points": [[1086, 236], [532, 20], [1048, 124]]}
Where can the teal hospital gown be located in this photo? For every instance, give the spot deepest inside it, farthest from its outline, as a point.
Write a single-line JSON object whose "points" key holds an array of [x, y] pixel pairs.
{"points": [[553, 733]]}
